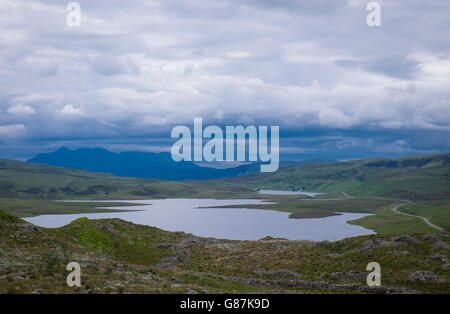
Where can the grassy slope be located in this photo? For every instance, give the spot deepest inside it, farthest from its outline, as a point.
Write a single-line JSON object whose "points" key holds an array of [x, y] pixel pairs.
{"points": [[386, 222], [376, 184], [437, 211], [118, 256], [32, 207], [26, 189], [34, 181], [413, 178]]}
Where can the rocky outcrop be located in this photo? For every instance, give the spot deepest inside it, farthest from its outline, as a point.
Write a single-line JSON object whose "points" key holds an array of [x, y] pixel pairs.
{"points": [[321, 285], [423, 276], [405, 239], [278, 272], [351, 274]]}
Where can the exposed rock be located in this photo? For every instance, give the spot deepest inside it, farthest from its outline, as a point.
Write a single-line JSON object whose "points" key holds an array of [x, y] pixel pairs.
{"points": [[351, 274], [165, 245], [5, 269], [167, 265], [190, 242], [183, 253], [439, 257], [446, 266], [169, 260], [442, 245], [30, 227], [405, 239], [423, 275], [279, 272], [398, 253], [321, 244], [369, 245], [431, 238], [320, 285]]}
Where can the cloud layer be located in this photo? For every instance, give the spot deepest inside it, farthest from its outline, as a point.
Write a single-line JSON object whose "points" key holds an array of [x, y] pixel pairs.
{"points": [[136, 68]]}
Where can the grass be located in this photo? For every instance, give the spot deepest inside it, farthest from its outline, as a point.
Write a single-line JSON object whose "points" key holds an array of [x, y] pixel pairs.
{"points": [[30, 207], [436, 211], [387, 222], [27, 189], [302, 207], [118, 256], [413, 178], [121, 257], [22, 180]]}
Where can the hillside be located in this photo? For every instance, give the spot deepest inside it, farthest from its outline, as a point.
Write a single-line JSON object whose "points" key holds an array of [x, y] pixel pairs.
{"points": [[28, 189], [121, 257], [367, 186], [412, 178], [26, 180]]}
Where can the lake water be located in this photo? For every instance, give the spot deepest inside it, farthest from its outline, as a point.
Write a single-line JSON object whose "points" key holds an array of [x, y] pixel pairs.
{"points": [[226, 223], [280, 192]]}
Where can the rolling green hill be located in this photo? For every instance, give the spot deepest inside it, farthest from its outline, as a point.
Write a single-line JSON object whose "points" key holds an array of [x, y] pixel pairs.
{"points": [[368, 186], [120, 257], [412, 178], [28, 189], [25, 180]]}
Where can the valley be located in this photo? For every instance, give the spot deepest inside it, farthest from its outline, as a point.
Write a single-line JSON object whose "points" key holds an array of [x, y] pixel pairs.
{"points": [[119, 256]]}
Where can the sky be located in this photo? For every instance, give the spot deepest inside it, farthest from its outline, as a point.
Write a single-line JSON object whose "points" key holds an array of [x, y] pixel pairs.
{"points": [[336, 87]]}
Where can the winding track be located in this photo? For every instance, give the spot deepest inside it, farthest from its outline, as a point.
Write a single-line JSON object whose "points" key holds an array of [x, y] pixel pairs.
{"points": [[395, 210]]}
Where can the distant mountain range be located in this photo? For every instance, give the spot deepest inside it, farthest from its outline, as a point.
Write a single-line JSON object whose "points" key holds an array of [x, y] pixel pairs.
{"points": [[139, 164]]}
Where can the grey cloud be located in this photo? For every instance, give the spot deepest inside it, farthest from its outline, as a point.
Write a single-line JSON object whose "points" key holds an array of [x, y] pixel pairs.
{"points": [[107, 65], [392, 65], [395, 66], [138, 68], [303, 7]]}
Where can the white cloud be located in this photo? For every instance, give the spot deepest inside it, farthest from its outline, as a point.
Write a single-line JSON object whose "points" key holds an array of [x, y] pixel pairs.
{"points": [[295, 64], [334, 118], [21, 109], [70, 110]]}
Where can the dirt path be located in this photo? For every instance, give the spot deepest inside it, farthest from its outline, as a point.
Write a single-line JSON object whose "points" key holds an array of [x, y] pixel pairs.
{"points": [[395, 210], [346, 195]]}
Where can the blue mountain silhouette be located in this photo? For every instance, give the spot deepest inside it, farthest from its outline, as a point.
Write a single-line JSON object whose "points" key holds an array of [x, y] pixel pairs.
{"points": [[137, 164]]}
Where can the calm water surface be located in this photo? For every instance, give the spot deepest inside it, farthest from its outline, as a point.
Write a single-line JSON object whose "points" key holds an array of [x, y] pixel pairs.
{"points": [[227, 223]]}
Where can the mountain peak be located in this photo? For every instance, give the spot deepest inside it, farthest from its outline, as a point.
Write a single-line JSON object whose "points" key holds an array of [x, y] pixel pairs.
{"points": [[135, 164]]}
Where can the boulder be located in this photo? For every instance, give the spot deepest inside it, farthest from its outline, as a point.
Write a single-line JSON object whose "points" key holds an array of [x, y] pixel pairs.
{"points": [[405, 239], [423, 276]]}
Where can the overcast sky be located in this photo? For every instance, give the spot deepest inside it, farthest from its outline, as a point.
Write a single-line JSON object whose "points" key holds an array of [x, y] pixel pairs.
{"points": [[336, 87]]}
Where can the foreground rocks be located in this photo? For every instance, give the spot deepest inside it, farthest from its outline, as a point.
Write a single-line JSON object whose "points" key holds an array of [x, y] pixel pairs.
{"points": [[121, 257], [322, 285], [424, 276]]}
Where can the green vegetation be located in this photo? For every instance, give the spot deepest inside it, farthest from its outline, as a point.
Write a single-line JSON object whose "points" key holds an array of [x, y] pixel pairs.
{"points": [[121, 257], [22, 180], [30, 207], [436, 211], [303, 207], [375, 185], [412, 178], [387, 222], [364, 186], [28, 189], [118, 256]]}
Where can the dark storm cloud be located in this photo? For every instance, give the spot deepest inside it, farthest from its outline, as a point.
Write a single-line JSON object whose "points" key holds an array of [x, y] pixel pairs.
{"points": [[134, 69]]}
